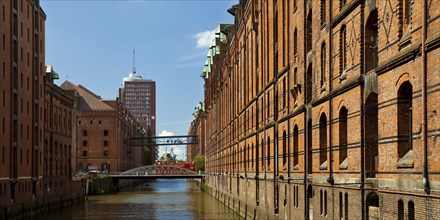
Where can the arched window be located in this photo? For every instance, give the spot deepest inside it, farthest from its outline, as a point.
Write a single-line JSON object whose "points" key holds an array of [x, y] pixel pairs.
{"points": [[346, 207], [248, 158], [263, 155], [295, 45], [325, 202], [309, 32], [341, 206], [285, 153], [400, 213], [404, 119], [343, 138], [411, 211], [323, 141], [371, 136], [322, 12], [297, 196], [243, 157], [321, 209], [323, 63], [284, 93], [404, 15], [253, 155], [309, 147], [309, 84], [343, 49], [371, 42], [295, 146], [268, 153]]}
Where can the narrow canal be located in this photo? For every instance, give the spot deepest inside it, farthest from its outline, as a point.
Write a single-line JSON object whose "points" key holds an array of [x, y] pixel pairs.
{"points": [[157, 199]]}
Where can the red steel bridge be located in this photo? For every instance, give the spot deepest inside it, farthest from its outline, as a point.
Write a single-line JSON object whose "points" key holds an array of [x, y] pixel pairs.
{"points": [[158, 172]]}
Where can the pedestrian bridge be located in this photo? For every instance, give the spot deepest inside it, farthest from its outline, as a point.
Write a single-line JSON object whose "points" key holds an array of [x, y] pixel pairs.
{"points": [[157, 172]]}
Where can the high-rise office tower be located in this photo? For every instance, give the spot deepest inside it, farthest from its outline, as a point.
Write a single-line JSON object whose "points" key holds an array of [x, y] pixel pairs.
{"points": [[138, 96]]}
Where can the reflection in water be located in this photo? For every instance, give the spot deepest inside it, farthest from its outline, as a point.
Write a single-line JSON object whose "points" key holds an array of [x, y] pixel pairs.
{"points": [[158, 199]]}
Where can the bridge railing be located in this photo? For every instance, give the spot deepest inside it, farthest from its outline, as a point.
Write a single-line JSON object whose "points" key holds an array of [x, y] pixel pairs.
{"points": [[158, 170]]}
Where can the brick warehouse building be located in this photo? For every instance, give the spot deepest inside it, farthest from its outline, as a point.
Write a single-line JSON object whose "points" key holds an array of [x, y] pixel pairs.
{"points": [[59, 113], [103, 132], [197, 128], [326, 109], [22, 79], [34, 143]]}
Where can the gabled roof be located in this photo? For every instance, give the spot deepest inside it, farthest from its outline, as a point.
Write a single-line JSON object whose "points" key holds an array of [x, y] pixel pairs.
{"points": [[87, 100]]}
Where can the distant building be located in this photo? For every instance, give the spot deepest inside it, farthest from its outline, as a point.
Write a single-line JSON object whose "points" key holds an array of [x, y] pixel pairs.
{"points": [[197, 128], [57, 148], [138, 96], [103, 132]]}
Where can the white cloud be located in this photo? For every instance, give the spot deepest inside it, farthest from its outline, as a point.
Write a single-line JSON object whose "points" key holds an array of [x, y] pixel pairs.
{"points": [[166, 133], [204, 38], [180, 151]]}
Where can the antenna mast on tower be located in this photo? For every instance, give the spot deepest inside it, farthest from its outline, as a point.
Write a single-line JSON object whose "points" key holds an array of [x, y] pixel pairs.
{"points": [[134, 61]]}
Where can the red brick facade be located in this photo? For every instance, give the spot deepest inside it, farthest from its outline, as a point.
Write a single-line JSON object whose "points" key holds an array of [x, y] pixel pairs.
{"points": [[21, 102], [103, 132], [326, 109], [35, 116], [197, 128], [57, 151]]}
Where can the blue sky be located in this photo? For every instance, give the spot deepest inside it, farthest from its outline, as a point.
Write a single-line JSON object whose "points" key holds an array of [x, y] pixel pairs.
{"points": [[90, 42]]}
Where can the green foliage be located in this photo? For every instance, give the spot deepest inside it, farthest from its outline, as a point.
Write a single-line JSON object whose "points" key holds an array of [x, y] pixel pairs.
{"points": [[205, 187], [200, 163], [147, 160]]}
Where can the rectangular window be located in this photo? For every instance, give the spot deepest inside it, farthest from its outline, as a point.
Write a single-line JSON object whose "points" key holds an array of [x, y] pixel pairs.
{"points": [[84, 153], [105, 132], [84, 143], [106, 153], [84, 132], [105, 143]]}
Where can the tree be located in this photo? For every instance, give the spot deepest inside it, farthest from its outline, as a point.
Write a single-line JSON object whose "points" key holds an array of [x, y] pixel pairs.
{"points": [[200, 162]]}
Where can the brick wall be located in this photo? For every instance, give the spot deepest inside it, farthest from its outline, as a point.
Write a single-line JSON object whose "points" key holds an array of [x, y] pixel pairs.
{"points": [[361, 58]]}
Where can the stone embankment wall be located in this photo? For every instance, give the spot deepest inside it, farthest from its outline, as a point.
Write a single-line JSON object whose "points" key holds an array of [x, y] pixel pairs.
{"points": [[72, 194]]}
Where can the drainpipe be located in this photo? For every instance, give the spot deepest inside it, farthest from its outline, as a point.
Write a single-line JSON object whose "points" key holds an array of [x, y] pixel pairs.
{"points": [[330, 178], [425, 110], [364, 209]]}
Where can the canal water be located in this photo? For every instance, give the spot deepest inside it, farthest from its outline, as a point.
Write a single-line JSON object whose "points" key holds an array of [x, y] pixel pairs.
{"points": [[157, 199]]}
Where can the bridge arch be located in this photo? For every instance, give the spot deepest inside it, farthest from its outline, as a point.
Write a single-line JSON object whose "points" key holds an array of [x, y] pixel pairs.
{"points": [[158, 170]]}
